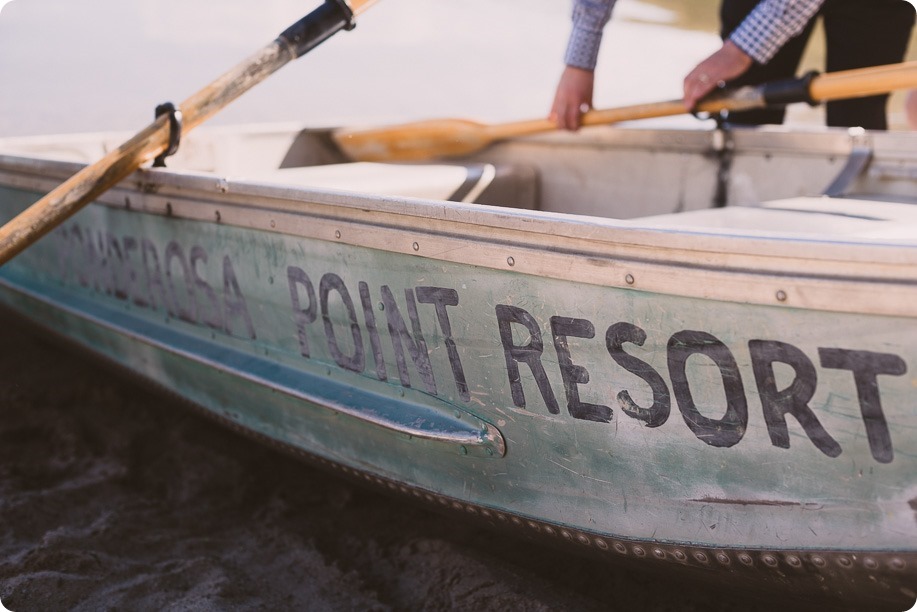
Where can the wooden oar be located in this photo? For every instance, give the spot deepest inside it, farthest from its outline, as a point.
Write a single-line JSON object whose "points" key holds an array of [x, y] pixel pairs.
{"points": [[455, 137], [92, 181]]}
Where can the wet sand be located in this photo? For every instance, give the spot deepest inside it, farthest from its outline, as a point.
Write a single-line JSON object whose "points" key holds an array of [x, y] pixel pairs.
{"points": [[114, 496]]}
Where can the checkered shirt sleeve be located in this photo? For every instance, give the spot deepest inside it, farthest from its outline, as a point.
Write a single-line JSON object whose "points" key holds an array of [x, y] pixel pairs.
{"points": [[771, 24], [589, 19]]}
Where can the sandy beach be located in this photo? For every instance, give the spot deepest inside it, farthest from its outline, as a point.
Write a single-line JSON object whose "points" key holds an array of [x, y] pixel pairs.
{"points": [[114, 496]]}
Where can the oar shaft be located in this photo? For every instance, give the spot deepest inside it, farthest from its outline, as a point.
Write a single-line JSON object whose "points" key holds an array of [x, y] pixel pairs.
{"points": [[83, 187], [86, 185], [864, 82], [860, 82], [745, 98], [358, 6]]}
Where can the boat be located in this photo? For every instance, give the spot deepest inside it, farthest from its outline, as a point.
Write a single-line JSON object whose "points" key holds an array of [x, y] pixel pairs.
{"points": [[688, 349]]}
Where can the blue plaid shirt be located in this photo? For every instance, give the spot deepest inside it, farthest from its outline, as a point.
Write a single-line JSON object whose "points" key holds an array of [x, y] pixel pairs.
{"points": [[766, 29]]}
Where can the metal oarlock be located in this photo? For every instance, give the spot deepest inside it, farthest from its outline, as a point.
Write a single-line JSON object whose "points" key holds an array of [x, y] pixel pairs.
{"points": [[175, 119]]}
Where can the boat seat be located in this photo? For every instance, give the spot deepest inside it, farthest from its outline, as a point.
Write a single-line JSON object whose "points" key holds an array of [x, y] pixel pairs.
{"points": [[823, 216], [498, 185]]}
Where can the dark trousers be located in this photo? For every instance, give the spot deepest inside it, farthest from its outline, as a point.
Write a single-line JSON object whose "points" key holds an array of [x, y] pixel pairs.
{"points": [[859, 33]]}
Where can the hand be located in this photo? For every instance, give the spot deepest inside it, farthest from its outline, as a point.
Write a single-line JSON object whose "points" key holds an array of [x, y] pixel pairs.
{"points": [[910, 109], [572, 98], [724, 65]]}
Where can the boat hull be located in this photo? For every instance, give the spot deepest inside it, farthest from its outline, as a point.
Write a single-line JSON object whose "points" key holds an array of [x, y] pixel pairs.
{"points": [[769, 441]]}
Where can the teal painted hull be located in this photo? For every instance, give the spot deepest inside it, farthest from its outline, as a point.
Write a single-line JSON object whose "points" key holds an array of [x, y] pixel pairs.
{"points": [[765, 441]]}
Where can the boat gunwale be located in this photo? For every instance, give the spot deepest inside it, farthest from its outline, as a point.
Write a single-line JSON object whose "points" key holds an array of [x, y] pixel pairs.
{"points": [[795, 271]]}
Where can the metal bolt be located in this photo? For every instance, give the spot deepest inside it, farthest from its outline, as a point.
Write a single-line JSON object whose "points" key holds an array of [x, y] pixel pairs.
{"points": [[781, 295], [629, 279], [416, 246]]}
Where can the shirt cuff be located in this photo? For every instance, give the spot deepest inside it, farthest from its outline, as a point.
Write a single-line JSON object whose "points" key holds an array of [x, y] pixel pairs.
{"points": [[583, 48]]}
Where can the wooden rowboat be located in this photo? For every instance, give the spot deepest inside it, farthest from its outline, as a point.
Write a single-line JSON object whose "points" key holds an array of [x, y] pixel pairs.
{"points": [[693, 349]]}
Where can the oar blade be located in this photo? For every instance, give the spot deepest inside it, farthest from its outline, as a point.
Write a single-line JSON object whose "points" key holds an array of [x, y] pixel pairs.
{"points": [[419, 141]]}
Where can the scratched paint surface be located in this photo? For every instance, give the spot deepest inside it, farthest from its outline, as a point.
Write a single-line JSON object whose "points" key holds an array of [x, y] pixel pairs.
{"points": [[624, 413]]}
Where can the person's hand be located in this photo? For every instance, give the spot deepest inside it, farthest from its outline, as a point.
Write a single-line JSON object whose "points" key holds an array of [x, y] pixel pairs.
{"points": [[724, 65], [910, 109], [572, 98]]}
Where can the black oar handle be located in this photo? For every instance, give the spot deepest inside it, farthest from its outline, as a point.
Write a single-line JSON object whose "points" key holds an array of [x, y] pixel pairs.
{"points": [[790, 91], [318, 26]]}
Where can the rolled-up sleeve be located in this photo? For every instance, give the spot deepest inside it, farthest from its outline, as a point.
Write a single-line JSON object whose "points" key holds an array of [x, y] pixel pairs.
{"points": [[589, 19], [771, 24]]}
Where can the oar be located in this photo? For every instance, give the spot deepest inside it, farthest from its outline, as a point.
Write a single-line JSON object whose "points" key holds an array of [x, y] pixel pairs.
{"points": [[154, 140], [456, 137]]}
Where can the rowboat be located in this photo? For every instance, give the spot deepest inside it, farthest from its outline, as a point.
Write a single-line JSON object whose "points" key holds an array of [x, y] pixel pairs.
{"points": [[691, 349]]}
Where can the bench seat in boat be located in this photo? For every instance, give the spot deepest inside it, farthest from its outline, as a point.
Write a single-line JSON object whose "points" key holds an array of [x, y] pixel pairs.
{"points": [[481, 183], [803, 215]]}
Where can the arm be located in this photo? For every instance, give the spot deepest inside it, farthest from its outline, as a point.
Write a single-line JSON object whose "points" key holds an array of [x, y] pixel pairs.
{"points": [[757, 39], [574, 90]]}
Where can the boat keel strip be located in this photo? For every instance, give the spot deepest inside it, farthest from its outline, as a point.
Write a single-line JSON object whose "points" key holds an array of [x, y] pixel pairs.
{"points": [[407, 412]]}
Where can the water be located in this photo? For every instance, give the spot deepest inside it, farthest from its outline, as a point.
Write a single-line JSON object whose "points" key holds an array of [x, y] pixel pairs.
{"points": [[489, 60]]}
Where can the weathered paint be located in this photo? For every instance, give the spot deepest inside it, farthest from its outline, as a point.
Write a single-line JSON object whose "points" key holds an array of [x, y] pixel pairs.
{"points": [[624, 413]]}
